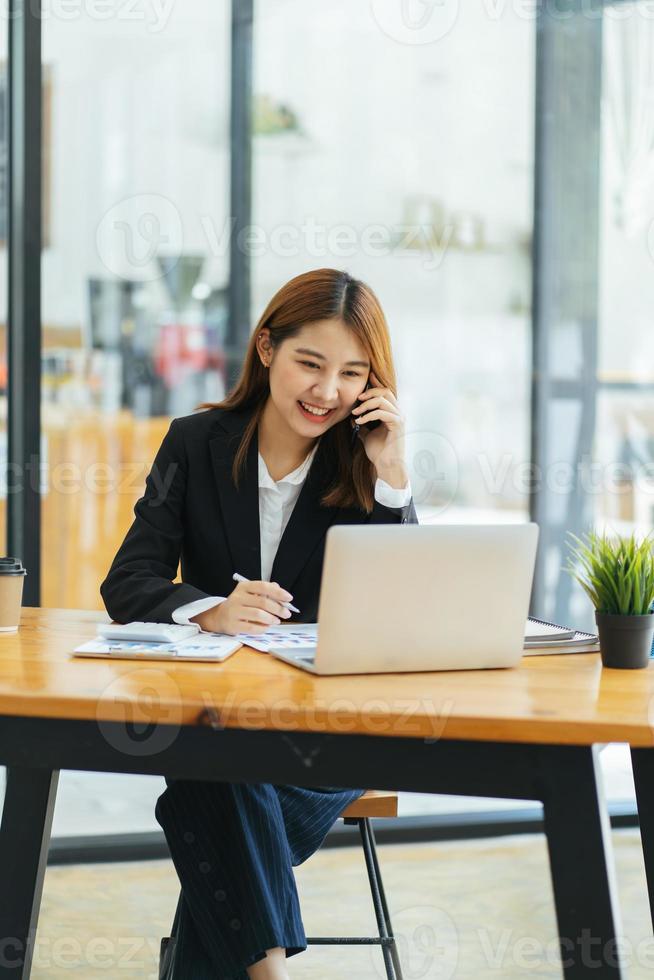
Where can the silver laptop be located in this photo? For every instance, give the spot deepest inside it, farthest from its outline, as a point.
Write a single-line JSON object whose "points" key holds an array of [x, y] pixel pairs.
{"points": [[421, 597]]}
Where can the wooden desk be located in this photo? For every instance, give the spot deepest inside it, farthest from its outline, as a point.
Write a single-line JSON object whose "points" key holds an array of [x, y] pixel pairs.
{"points": [[527, 733]]}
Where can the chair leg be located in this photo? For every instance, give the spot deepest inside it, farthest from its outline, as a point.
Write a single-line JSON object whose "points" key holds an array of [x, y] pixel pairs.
{"points": [[391, 957], [384, 904], [166, 957]]}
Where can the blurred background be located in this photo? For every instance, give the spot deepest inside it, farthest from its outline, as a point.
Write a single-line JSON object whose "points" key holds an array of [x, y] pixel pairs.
{"points": [[488, 172]]}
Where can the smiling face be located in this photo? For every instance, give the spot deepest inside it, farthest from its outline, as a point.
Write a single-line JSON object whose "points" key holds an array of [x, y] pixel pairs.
{"points": [[323, 367]]}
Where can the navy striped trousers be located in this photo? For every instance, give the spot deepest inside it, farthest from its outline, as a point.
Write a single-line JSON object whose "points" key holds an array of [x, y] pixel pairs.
{"points": [[234, 846]]}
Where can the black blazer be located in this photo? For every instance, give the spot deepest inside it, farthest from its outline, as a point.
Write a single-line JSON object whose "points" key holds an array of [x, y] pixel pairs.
{"points": [[191, 510]]}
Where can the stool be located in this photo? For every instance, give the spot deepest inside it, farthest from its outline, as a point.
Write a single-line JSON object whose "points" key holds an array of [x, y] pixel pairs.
{"points": [[373, 803]]}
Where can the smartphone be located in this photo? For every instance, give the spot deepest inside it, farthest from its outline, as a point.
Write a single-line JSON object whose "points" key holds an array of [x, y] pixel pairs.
{"points": [[375, 422], [368, 425]]}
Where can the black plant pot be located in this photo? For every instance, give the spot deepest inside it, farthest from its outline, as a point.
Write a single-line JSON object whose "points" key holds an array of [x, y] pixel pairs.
{"points": [[625, 641]]}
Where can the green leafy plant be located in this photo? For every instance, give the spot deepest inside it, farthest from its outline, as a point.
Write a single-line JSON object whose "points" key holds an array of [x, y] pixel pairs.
{"points": [[616, 573]]}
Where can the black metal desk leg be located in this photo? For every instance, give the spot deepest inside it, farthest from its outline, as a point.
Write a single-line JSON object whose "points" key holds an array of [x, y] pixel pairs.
{"points": [[581, 860], [642, 761], [24, 839]]}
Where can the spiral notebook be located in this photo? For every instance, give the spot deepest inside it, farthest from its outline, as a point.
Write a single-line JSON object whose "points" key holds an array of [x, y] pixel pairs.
{"points": [[537, 631], [542, 637]]}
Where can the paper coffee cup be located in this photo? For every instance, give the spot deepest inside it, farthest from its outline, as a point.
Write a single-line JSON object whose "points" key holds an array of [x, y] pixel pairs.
{"points": [[12, 575]]}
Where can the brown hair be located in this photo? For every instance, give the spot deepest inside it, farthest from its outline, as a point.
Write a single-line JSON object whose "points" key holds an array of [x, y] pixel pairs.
{"points": [[319, 295]]}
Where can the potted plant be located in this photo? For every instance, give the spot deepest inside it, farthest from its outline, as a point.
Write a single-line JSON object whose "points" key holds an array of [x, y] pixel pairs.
{"points": [[618, 576]]}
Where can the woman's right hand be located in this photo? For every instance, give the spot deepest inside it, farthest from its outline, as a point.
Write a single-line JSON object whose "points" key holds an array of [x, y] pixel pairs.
{"points": [[251, 608]]}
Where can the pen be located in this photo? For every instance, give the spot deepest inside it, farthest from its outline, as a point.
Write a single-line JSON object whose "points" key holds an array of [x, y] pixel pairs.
{"points": [[241, 578]]}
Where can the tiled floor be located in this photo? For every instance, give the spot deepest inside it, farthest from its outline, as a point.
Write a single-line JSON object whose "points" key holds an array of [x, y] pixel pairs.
{"points": [[479, 909]]}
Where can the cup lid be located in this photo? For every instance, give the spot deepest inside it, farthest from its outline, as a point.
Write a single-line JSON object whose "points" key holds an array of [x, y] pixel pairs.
{"points": [[11, 566]]}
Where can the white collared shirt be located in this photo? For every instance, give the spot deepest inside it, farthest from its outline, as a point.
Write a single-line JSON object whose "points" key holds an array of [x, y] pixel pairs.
{"points": [[276, 503]]}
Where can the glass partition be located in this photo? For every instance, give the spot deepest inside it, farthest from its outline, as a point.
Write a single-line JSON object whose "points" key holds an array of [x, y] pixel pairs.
{"points": [[4, 229], [624, 499], [134, 289], [596, 432], [403, 152]]}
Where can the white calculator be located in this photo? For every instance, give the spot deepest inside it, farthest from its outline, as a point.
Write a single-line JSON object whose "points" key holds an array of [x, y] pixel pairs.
{"points": [[152, 632]]}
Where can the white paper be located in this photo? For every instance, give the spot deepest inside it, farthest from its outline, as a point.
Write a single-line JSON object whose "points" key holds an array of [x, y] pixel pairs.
{"points": [[203, 646], [283, 637]]}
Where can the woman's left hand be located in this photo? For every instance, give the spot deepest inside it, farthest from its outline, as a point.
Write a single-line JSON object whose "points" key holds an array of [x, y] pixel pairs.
{"points": [[384, 445]]}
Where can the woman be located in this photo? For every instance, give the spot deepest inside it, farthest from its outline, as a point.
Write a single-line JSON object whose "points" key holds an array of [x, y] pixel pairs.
{"points": [[251, 485]]}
